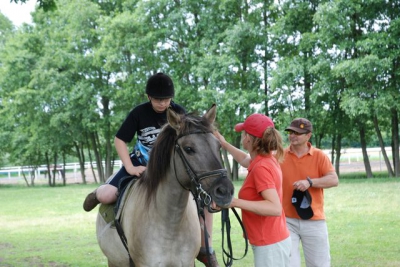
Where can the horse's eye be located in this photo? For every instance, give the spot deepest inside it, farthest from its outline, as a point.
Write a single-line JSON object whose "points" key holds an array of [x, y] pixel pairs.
{"points": [[188, 150]]}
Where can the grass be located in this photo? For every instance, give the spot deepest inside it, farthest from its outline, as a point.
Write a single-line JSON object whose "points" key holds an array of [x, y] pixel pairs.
{"points": [[364, 222], [42, 226]]}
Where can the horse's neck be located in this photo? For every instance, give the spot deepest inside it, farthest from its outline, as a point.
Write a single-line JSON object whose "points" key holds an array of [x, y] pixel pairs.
{"points": [[173, 197]]}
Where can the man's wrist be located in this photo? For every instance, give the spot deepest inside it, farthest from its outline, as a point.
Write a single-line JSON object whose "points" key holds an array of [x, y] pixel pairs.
{"points": [[309, 180]]}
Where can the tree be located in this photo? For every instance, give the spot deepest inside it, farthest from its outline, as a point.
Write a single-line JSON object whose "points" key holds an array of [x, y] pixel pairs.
{"points": [[46, 5], [82, 66], [355, 31]]}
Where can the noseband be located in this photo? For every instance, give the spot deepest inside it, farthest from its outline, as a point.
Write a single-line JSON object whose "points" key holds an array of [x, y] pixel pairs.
{"points": [[201, 196]]}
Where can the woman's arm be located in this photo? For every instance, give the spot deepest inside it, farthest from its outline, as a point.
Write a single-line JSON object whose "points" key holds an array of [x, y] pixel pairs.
{"points": [[270, 206], [240, 156]]}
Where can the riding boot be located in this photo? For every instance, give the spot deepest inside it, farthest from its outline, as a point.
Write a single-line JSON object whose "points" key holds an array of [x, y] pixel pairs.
{"points": [[202, 256], [91, 201]]}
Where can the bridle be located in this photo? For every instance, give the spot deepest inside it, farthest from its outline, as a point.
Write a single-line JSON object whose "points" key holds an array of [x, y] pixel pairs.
{"points": [[204, 199], [201, 196]]}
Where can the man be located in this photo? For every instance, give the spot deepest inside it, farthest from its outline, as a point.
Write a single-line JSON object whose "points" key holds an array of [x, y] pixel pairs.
{"points": [[306, 169]]}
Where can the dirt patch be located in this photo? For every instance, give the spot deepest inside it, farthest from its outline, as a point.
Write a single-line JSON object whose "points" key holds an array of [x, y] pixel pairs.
{"points": [[358, 166], [4, 246]]}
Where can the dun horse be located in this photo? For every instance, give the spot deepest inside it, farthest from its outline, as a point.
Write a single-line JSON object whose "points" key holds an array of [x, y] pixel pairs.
{"points": [[160, 218]]}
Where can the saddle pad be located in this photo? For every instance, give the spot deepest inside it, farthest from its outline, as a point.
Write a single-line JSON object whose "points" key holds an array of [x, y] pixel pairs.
{"points": [[107, 212], [122, 197]]}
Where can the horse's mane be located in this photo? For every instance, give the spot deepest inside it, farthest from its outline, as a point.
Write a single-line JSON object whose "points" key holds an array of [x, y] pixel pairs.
{"points": [[160, 155]]}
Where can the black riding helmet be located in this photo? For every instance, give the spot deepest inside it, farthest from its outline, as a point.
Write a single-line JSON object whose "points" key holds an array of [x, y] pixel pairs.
{"points": [[160, 85]]}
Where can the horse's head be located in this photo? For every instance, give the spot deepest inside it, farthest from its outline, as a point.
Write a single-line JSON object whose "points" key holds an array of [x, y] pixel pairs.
{"points": [[198, 164]]}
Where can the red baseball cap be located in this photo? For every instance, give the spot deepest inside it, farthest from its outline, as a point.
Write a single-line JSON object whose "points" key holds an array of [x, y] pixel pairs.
{"points": [[255, 124]]}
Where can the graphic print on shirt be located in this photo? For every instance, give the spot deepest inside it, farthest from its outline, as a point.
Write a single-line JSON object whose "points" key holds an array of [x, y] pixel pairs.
{"points": [[145, 142], [148, 136]]}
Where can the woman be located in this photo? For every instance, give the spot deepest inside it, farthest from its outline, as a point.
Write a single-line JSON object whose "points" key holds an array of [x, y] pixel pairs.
{"points": [[260, 197]]}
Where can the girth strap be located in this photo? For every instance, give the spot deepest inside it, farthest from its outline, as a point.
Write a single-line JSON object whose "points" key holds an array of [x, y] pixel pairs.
{"points": [[124, 240]]}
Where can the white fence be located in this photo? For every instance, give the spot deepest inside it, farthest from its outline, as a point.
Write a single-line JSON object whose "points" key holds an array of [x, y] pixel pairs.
{"points": [[73, 170], [349, 156]]}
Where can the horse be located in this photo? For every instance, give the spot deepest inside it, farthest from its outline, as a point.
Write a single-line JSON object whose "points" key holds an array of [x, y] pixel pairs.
{"points": [[160, 216]]}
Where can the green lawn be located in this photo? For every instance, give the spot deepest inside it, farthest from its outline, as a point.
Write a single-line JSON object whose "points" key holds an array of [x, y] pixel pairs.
{"points": [[44, 226]]}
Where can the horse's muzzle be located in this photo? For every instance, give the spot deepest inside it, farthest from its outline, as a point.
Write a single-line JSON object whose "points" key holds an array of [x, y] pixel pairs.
{"points": [[221, 191]]}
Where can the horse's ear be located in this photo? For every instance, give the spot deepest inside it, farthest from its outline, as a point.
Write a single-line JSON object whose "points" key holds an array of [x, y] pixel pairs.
{"points": [[211, 114], [174, 119]]}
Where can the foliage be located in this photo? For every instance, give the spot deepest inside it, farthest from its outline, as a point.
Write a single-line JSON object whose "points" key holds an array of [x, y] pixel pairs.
{"points": [[68, 80], [46, 5]]}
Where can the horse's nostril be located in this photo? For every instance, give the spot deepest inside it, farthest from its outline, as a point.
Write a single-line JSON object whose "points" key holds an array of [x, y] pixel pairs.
{"points": [[220, 191], [224, 191]]}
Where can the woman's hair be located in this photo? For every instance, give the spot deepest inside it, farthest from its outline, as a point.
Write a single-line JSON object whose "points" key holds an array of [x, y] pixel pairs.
{"points": [[270, 142]]}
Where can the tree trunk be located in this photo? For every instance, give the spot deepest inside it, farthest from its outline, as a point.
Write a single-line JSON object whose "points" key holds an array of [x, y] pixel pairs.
{"points": [[26, 180], [333, 147], [235, 164], [100, 167], [81, 159], [382, 145], [108, 171], [363, 142], [338, 148], [46, 155], [227, 164], [316, 139], [55, 158], [97, 156], [91, 166], [266, 57], [63, 170], [395, 142]]}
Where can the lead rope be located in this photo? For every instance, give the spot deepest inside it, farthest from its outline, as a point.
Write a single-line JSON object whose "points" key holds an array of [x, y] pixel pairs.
{"points": [[226, 221]]}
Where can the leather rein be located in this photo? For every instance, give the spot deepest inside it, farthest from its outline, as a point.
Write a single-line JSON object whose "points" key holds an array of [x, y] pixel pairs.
{"points": [[204, 199]]}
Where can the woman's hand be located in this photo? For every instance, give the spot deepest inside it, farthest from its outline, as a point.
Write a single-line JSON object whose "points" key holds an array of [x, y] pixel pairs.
{"points": [[220, 138]]}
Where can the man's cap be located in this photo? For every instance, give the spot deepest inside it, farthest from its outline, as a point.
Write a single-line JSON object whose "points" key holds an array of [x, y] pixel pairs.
{"points": [[255, 124], [302, 202], [160, 85], [300, 125]]}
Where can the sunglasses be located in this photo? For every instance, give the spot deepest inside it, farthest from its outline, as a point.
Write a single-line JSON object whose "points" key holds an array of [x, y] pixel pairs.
{"points": [[295, 133]]}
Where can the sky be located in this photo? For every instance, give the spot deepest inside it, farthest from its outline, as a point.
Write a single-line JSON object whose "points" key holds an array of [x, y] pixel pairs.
{"points": [[18, 13]]}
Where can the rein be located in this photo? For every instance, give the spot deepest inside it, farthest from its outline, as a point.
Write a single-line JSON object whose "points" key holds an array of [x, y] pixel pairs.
{"points": [[226, 221], [204, 199]]}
